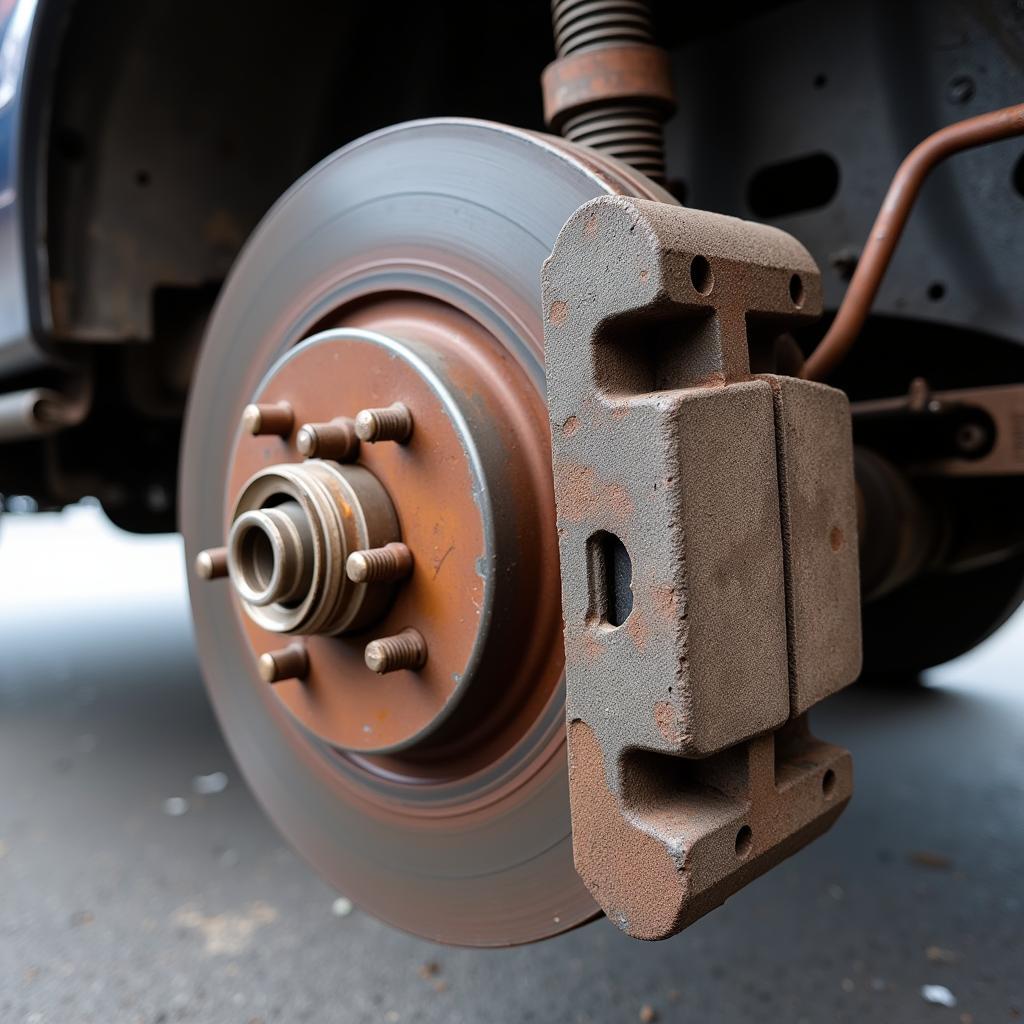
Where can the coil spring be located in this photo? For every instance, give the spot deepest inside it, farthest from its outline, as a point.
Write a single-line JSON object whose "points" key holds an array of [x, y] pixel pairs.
{"points": [[629, 131], [590, 24]]}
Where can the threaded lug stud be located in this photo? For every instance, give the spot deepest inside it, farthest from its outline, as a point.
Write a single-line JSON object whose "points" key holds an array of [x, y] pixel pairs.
{"points": [[388, 564], [406, 650], [268, 418], [393, 423], [212, 564], [289, 662], [335, 440]]}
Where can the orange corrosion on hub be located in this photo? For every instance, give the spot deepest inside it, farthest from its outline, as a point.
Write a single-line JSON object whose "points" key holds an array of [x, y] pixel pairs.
{"points": [[437, 481]]}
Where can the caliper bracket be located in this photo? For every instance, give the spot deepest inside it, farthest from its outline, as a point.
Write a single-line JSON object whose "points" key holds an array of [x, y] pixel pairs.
{"points": [[708, 546]]}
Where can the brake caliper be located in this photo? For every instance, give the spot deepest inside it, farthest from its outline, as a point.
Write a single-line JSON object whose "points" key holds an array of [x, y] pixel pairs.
{"points": [[708, 542]]}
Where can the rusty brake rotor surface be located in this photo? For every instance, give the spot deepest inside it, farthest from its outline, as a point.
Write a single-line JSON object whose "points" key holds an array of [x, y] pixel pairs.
{"points": [[367, 464]]}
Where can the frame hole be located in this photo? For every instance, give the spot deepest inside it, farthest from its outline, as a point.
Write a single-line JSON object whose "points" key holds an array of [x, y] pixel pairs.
{"points": [[796, 290], [936, 291], [793, 186], [611, 579], [701, 276], [828, 783], [744, 841]]}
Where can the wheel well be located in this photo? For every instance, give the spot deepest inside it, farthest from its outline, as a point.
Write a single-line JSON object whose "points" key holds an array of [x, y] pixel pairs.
{"points": [[173, 130], [176, 126]]}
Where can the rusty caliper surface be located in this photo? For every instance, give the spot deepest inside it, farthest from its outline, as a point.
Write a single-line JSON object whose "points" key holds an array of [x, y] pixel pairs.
{"points": [[708, 544]]}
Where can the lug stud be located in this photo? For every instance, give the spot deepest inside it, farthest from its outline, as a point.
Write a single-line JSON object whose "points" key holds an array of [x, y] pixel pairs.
{"points": [[268, 418], [379, 565], [393, 423], [335, 440], [407, 650], [289, 662], [212, 564]]}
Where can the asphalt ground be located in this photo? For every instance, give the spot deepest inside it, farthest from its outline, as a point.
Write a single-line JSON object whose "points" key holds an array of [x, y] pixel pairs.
{"points": [[140, 882]]}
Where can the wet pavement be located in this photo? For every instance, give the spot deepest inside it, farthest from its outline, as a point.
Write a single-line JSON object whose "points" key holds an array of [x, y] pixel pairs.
{"points": [[137, 884]]}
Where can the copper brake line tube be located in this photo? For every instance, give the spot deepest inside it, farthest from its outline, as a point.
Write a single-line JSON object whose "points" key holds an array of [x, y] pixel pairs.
{"points": [[889, 224]]}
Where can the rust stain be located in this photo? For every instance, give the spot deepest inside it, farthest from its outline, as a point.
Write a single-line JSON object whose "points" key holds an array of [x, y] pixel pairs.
{"points": [[431, 486], [638, 629], [715, 379], [558, 312], [581, 494], [585, 649], [665, 601], [590, 227], [629, 873], [620, 412], [835, 538], [669, 724], [570, 426], [591, 649]]}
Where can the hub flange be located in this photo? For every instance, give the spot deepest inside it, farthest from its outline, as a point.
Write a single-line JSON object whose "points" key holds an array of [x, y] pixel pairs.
{"points": [[469, 507]]}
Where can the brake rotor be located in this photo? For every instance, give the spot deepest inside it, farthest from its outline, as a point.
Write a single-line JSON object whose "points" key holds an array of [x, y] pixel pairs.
{"points": [[403, 269]]}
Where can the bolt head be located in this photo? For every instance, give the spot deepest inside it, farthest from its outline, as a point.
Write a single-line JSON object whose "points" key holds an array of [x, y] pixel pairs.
{"points": [[366, 425], [356, 568], [375, 656], [252, 419], [267, 669], [290, 662], [970, 437], [211, 564], [305, 442], [961, 89]]}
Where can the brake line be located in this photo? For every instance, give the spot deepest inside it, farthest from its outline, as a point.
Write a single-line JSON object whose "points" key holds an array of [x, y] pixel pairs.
{"points": [[889, 224]]}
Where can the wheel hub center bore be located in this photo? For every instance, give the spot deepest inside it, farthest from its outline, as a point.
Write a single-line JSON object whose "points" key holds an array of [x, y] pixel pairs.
{"points": [[295, 528], [389, 512]]}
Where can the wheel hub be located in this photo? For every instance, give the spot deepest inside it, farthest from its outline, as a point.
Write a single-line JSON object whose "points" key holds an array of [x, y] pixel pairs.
{"points": [[471, 504], [367, 439], [293, 529]]}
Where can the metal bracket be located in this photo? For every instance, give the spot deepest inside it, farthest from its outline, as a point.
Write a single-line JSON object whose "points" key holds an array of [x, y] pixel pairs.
{"points": [[708, 546], [970, 432]]}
